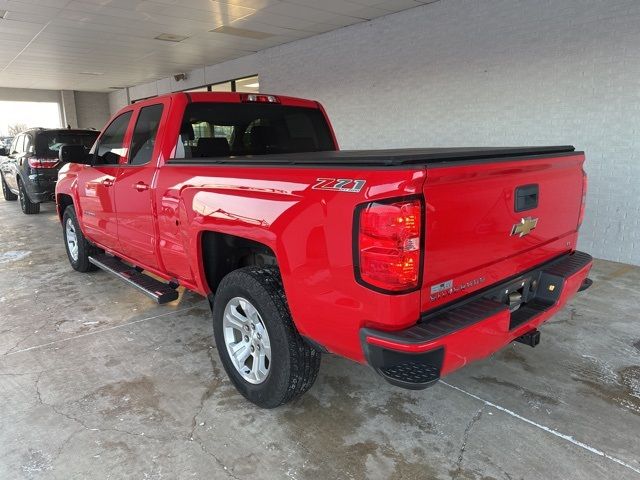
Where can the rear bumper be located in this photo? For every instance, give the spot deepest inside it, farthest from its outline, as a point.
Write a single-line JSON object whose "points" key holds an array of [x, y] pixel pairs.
{"points": [[476, 326], [41, 188]]}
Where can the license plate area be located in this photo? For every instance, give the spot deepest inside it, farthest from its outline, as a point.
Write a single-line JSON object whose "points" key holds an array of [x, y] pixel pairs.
{"points": [[528, 295]]}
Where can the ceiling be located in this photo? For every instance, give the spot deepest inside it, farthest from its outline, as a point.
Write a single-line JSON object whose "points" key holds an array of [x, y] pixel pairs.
{"points": [[98, 45]]}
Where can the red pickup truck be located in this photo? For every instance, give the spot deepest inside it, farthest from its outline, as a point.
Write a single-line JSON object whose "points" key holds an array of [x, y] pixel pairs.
{"points": [[414, 261]]}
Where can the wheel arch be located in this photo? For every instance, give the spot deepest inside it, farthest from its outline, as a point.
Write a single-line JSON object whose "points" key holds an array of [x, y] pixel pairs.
{"points": [[21, 181], [63, 200], [222, 253]]}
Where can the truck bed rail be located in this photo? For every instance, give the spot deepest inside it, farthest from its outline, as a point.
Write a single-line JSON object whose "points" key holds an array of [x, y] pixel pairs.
{"points": [[385, 158]]}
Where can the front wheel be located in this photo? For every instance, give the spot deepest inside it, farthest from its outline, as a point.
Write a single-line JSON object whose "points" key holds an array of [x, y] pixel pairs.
{"points": [[262, 352], [78, 248], [6, 193], [28, 207]]}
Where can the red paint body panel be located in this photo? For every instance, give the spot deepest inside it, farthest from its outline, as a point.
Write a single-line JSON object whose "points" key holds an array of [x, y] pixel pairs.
{"points": [[95, 203], [469, 216], [135, 201]]}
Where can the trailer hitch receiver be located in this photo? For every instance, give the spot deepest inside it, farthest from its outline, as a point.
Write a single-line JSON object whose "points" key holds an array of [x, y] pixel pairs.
{"points": [[531, 338]]}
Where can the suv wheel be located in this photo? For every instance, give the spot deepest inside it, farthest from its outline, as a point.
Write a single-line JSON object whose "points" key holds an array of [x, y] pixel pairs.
{"points": [[78, 248], [6, 193], [28, 207], [262, 352]]}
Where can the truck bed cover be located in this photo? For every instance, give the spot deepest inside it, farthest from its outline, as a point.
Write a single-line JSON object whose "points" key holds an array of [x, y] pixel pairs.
{"points": [[386, 158]]}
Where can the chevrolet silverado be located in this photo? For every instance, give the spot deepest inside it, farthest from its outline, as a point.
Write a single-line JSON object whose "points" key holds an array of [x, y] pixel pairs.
{"points": [[414, 261]]}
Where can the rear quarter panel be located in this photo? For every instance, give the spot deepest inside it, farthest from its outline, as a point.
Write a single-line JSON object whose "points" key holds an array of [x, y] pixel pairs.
{"points": [[309, 230]]}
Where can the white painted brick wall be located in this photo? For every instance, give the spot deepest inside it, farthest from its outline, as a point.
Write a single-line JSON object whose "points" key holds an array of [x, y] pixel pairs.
{"points": [[92, 109], [483, 73], [117, 100]]}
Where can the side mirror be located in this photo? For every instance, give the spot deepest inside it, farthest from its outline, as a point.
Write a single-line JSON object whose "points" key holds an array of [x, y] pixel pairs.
{"points": [[74, 154], [3, 152]]}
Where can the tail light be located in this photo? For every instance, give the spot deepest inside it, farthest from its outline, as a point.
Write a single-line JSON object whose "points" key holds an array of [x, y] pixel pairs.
{"points": [[43, 162], [388, 253], [585, 183]]}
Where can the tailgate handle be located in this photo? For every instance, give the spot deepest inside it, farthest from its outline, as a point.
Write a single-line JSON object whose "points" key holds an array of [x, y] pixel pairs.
{"points": [[526, 198]]}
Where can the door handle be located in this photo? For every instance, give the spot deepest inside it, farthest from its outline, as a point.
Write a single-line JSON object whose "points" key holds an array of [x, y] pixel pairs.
{"points": [[107, 182], [141, 186]]}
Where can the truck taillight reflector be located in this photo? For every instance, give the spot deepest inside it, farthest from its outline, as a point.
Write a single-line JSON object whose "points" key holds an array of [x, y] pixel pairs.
{"points": [[389, 248], [585, 184], [258, 98], [43, 162]]}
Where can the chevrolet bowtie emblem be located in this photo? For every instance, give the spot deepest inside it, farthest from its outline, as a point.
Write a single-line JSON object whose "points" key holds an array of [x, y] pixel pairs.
{"points": [[524, 226]]}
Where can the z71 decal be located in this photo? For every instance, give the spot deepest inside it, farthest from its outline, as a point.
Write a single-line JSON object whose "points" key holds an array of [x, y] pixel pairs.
{"points": [[339, 184]]}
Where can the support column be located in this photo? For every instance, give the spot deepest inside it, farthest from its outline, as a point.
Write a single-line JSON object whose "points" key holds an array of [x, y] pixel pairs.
{"points": [[68, 108]]}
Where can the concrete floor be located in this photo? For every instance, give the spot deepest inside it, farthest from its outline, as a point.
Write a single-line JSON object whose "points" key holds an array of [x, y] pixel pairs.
{"points": [[96, 381]]}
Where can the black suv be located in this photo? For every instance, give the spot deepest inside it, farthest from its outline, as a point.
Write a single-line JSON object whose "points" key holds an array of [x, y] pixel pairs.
{"points": [[29, 168]]}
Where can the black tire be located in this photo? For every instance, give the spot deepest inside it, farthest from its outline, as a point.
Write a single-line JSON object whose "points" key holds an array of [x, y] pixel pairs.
{"points": [[294, 363], [85, 249], [28, 207], [8, 195]]}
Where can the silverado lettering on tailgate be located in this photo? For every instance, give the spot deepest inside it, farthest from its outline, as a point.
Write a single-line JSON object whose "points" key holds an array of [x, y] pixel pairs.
{"points": [[447, 288]]}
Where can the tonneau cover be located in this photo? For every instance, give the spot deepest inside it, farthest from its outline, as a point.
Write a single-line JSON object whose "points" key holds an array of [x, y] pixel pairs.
{"points": [[395, 157]]}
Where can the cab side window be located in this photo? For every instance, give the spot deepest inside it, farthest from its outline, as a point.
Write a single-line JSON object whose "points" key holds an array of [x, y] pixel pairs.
{"points": [[144, 134], [111, 145]]}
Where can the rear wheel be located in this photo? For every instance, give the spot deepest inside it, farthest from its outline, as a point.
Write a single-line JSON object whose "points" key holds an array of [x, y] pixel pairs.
{"points": [[28, 207], [78, 248], [262, 352], [6, 193]]}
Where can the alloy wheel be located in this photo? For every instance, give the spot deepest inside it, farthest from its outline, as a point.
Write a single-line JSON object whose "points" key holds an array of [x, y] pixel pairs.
{"points": [[72, 239], [247, 340]]}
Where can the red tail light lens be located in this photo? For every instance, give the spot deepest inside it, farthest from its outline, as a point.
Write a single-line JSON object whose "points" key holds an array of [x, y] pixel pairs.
{"points": [[43, 162], [585, 184], [389, 249]]}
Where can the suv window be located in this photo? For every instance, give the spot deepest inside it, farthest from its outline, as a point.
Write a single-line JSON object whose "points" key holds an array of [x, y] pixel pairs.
{"points": [[111, 145], [48, 142], [144, 134], [16, 146], [222, 129], [28, 143]]}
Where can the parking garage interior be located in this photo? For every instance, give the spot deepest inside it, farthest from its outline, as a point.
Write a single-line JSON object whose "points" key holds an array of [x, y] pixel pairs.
{"points": [[97, 380]]}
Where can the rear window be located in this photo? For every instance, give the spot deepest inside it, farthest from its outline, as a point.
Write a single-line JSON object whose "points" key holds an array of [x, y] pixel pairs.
{"points": [[48, 143], [232, 129]]}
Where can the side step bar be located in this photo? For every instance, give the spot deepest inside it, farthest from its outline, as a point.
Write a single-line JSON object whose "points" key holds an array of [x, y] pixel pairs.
{"points": [[159, 291]]}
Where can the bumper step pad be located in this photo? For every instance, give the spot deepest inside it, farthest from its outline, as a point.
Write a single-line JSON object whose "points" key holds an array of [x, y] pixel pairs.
{"points": [[411, 371], [159, 291]]}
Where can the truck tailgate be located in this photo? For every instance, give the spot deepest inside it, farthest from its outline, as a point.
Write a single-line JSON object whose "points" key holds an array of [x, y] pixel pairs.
{"points": [[488, 220]]}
